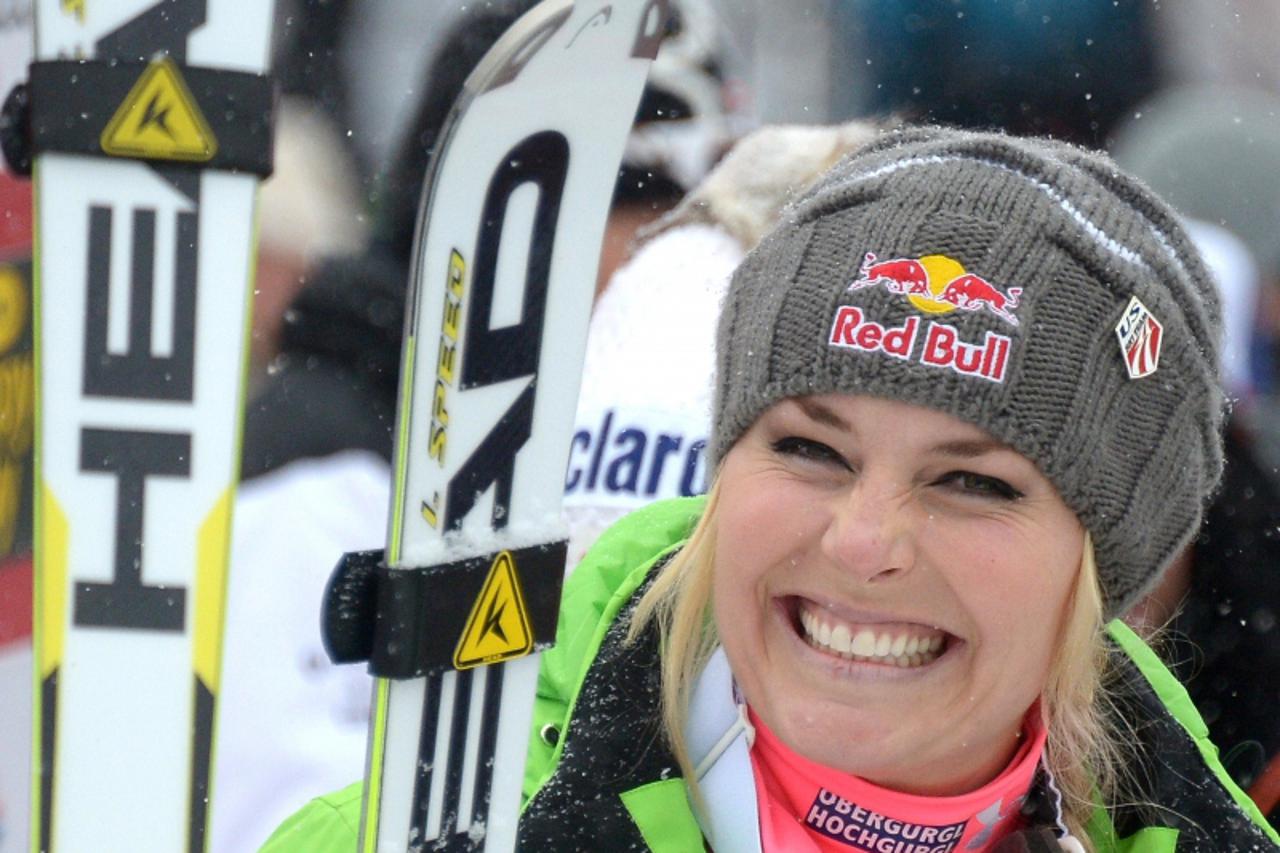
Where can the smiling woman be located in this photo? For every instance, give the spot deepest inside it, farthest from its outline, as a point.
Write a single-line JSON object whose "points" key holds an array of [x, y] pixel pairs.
{"points": [[967, 411], [887, 627]]}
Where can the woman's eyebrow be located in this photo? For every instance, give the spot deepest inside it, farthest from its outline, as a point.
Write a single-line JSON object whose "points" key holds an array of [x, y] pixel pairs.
{"points": [[820, 413], [968, 448]]}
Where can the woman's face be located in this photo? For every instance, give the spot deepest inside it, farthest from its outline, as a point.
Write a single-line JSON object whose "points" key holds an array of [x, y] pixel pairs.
{"points": [[890, 584]]}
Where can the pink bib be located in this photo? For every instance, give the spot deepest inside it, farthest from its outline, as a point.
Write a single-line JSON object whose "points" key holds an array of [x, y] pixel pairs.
{"points": [[807, 807]]}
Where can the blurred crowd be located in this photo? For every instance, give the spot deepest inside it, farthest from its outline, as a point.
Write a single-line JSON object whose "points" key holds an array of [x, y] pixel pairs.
{"points": [[746, 103]]}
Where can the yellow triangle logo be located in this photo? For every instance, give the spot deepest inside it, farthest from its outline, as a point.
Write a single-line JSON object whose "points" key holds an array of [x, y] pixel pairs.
{"points": [[498, 627], [159, 119]]}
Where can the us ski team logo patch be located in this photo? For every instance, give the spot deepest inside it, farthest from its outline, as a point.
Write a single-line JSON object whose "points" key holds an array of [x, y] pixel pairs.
{"points": [[1140, 335]]}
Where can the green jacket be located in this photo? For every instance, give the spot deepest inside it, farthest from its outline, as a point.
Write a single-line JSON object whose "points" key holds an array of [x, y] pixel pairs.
{"points": [[599, 776]]}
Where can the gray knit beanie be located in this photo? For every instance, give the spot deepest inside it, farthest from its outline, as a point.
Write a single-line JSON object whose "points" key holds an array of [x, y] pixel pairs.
{"points": [[1022, 285]]}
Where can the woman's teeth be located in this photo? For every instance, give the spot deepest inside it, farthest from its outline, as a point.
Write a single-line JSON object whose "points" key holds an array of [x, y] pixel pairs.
{"points": [[897, 648]]}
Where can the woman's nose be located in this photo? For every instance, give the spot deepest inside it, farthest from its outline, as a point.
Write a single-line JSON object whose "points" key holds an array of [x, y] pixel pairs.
{"points": [[871, 535]]}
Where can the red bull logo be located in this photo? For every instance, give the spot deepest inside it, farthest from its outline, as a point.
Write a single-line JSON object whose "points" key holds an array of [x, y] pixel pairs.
{"points": [[937, 284]]}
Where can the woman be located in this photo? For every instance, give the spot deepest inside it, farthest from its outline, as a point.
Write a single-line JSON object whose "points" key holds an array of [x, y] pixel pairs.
{"points": [[967, 409]]}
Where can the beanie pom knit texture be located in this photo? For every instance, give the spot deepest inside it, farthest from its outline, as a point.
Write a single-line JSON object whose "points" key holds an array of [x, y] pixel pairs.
{"points": [[1135, 459]]}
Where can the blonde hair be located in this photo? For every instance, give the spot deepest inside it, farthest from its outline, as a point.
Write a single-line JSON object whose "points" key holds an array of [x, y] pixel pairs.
{"points": [[1085, 753]]}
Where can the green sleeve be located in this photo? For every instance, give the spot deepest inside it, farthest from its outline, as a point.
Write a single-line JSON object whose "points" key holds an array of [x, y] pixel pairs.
{"points": [[329, 824], [1178, 702], [604, 581]]}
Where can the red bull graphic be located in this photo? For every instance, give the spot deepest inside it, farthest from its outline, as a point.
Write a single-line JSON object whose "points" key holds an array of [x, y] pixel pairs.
{"points": [[901, 275], [937, 284], [1140, 335]]}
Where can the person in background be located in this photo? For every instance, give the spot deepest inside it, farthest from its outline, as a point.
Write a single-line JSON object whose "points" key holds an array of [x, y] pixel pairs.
{"points": [[308, 210], [1069, 69]]}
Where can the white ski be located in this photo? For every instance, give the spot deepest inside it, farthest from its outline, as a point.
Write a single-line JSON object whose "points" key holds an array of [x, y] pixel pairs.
{"points": [[144, 272], [509, 237]]}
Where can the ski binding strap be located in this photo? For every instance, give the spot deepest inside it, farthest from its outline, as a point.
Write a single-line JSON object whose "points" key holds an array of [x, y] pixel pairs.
{"points": [[412, 622], [159, 111]]}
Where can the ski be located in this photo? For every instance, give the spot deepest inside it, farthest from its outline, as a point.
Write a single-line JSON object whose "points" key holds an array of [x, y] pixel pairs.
{"points": [[150, 125], [509, 235]]}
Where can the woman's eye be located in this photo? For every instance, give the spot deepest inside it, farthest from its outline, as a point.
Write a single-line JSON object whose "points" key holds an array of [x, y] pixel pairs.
{"points": [[980, 485], [808, 449]]}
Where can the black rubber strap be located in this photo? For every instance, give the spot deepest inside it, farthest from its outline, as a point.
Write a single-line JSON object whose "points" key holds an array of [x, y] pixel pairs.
{"points": [[15, 130], [409, 622], [71, 103]]}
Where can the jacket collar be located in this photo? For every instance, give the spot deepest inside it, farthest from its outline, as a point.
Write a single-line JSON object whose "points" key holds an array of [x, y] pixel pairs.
{"points": [[719, 740]]}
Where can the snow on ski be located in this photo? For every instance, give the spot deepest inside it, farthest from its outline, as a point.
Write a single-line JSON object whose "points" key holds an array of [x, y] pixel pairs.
{"points": [[144, 273], [509, 238]]}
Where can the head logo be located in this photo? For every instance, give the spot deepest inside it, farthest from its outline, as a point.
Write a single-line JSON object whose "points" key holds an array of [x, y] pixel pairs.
{"points": [[937, 284]]}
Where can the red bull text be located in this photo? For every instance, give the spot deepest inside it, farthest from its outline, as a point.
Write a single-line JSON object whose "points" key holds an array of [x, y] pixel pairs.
{"points": [[942, 346]]}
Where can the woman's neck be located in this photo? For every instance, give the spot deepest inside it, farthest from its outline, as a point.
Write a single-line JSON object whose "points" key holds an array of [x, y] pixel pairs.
{"points": [[841, 811]]}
